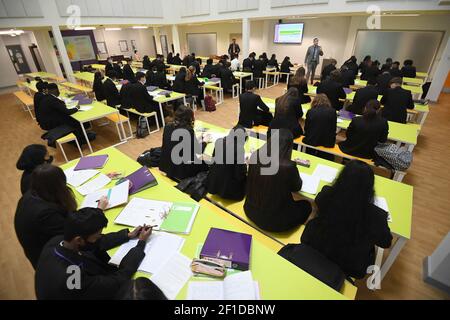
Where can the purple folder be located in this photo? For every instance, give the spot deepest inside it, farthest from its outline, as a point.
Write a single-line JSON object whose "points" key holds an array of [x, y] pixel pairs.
{"points": [[346, 115], [92, 162], [163, 93], [228, 247], [151, 88], [141, 179], [348, 90], [214, 79], [82, 99]]}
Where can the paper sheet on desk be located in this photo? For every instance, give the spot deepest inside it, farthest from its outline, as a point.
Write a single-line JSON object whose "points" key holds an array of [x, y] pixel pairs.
{"points": [[77, 178], [85, 108], [117, 196], [381, 203], [310, 183], [172, 277], [96, 184], [325, 173], [143, 211]]}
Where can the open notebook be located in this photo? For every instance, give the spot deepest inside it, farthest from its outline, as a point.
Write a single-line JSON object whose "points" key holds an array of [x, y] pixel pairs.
{"points": [[173, 217], [239, 286]]}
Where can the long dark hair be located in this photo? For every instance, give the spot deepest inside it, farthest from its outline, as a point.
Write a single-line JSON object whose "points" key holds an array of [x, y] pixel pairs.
{"points": [[371, 109], [140, 289], [98, 77], [347, 206], [236, 145], [282, 103], [49, 183], [262, 188], [299, 78], [184, 117]]}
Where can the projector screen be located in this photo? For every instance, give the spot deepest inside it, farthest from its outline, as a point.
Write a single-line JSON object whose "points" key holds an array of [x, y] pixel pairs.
{"points": [[289, 33]]}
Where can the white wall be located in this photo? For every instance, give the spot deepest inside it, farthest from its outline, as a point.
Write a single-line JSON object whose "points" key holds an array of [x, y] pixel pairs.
{"points": [[24, 40], [8, 75]]}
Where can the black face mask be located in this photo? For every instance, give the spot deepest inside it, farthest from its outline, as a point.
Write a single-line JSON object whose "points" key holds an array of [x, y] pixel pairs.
{"points": [[49, 160], [89, 246]]}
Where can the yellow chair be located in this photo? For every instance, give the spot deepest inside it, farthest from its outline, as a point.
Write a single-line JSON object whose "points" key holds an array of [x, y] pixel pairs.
{"points": [[66, 139], [121, 119], [146, 116], [27, 102]]}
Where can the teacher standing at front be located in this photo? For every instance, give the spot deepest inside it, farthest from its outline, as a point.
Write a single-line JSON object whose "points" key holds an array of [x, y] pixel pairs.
{"points": [[312, 59]]}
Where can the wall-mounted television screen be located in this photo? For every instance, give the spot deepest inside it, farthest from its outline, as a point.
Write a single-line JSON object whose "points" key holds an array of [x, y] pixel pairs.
{"points": [[289, 33]]}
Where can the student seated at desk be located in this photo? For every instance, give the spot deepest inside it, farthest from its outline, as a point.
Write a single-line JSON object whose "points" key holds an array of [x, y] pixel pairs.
{"points": [[333, 89], [140, 289], [32, 156], [82, 244], [273, 62], [347, 77], [235, 64], [288, 112], [157, 78], [387, 65], [249, 63], [396, 101], [270, 201], [169, 58], [227, 176], [320, 126], [348, 225], [253, 111], [226, 77], [177, 60], [408, 70], [286, 66], [98, 86], [42, 88], [187, 61], [193, 86], [196, 64], [128, 74], [352, 65], [179, 84], [42, 210], [299, 82], [265, 59], [327, 69], [142, 100], [209, 70], [182, 131], [118, 69], [146, 63], [383, 82], [259, 67], [364, 133], [364, 65], [362, 96], [112, 95], [372, 72], [109, 65], [395, 70]]}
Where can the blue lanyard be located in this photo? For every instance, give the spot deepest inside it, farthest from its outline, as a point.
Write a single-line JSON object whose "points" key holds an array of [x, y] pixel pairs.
{"points": [[67, 259]]}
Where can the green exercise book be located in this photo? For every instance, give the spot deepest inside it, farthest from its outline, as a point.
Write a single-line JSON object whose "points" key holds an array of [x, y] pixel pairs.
{"points": [[180, 218]]}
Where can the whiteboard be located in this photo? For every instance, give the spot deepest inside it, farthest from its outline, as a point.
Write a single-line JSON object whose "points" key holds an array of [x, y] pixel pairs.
{"points": [[420, 46], [202, 44]]}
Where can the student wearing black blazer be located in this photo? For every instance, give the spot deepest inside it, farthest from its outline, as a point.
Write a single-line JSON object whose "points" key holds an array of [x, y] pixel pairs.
{"points": [[42, 88], [326, 71], [320, 126], [408, 70], [362, 96], [142, 101], [259, 67], [352, 65], [372, 72], [364, 133], [128, 74], [383, 82], [191, 164], [248, 64], [109, 88], [32, 156], [42, 210], [253, 111], [227, 179], [98, 86], [177, 60], [364, 65], [348, 225], [395, 70], [179, 84], [208, 70], [193, 86], [146, 63], [157, 78], [288, 112], [396, 101], [272, 200], [333, 89], [273, 62], [227, 78], [299, 82], [82, 244], [347, 77]]}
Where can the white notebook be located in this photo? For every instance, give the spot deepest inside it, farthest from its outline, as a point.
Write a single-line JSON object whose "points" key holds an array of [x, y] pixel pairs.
{"points": [[77, 178], [310, 184], [239, 286], [95, 184], [325, 173], [160, 247], [117, 196], [142, 211], [381, 203]]}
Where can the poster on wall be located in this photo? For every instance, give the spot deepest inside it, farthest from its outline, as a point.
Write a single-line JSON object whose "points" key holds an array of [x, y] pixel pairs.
{"points": [[79, 48], [133, 45], [101, 46], [123, 44]]}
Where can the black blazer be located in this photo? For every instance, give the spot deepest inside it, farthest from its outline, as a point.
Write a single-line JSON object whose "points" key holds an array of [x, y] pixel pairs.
{"points": [[258, 68], [109, 67], [302, 91], [320, 127], [248, 65], [179, 84], [363, 136], [353, 258], [353, 66], [227, 180], [348, 78], [37, 99], [326, 71], [289, 119], [396, 101], [409, 71], [183, 170], [25, 181], [237, 49], [273, 63], [157, 79], [177, 61], [128, 74], [208, 71], [396, 73], [99, 280], [362, 96], [36, 222], [112, 94], [142, 101], [193, 87], [286, 66], [147, 64], [227, 79], [249, 104], [383, 82], [372, 73], [118, 70], [54, 113], [334, 91], [196, 65], [125, 96]]}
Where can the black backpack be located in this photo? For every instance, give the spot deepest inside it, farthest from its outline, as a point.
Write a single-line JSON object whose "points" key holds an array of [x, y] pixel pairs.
{"points": [[150, 158], [142, 129]]}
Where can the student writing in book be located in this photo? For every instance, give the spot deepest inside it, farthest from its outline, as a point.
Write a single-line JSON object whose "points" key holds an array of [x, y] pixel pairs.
{"points": [[396, 102], [334, 89], [228, 178], [42, 210], [364, 133], [253, 111], [97, 86], [32, 156], [157, 78], [299, 82], [362, 96], [285, 67], [112, 95], [82, 244], [348, 225], [180, 134], [270, 201], [140, 289]]}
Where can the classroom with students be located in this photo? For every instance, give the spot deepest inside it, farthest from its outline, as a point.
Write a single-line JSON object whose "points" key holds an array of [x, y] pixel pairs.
{"points": [[225, 150]]}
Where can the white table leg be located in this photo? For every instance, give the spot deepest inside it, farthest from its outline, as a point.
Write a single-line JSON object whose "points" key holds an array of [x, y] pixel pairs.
{"points": [[395, 251], [240, 84], [410, 147], [267, 80], [162, 114], [86, 137], [423, 116]]}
